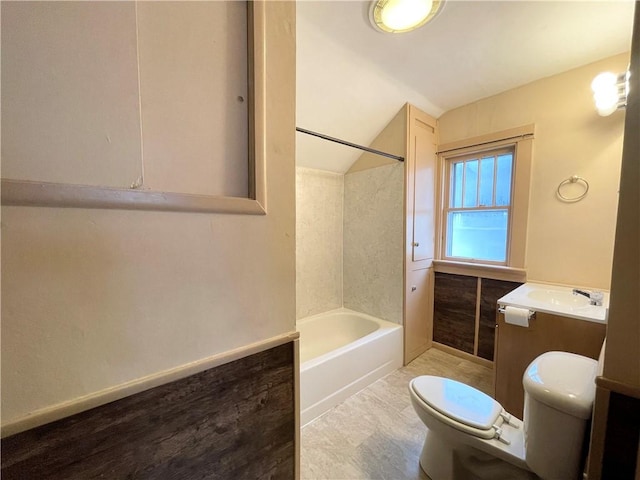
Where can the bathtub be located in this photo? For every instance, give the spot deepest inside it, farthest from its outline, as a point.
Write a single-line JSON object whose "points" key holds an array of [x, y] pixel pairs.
{"points": [[341, 352]]}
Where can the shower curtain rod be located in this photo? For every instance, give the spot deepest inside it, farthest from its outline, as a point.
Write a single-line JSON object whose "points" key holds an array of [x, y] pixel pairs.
{"points": [[349, 144]]}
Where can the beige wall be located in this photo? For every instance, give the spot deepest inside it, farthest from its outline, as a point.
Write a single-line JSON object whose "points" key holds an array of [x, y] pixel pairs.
{"points": [[373, 241], [392, 139], [567, 243], [95, 298], [145, 94], [319, 207], [73, 88]]}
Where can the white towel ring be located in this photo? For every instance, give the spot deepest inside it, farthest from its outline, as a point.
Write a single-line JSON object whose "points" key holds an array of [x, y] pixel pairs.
{"points": [[573, 179]]}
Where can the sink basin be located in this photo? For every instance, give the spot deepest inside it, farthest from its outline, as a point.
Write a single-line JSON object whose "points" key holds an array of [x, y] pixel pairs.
{"points": [[558, 297]]}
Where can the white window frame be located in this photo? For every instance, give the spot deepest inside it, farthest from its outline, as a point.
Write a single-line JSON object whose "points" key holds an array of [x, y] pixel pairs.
{"points": [[478, 155], [521, 140]]}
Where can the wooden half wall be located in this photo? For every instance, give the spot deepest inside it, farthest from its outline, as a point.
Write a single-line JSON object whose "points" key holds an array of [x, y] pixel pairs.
{"points": [[235, 420], [465, 312]]}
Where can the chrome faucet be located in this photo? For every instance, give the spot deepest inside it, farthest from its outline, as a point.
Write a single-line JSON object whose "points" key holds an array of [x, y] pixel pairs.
{"points": [[595, 297]]}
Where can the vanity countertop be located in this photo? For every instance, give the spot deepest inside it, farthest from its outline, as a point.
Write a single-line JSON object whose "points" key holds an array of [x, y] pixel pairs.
{"points": [[557, 300]]}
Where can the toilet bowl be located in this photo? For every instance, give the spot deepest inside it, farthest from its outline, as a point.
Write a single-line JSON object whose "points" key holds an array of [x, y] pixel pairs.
{"points": [[470, 436]]}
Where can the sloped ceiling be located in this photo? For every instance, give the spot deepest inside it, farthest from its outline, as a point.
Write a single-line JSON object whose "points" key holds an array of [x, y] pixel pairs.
{"points": [[352, 79]]}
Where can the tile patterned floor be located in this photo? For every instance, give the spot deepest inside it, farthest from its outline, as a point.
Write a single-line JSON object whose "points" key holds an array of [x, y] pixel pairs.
{"points": [[376, 434]]}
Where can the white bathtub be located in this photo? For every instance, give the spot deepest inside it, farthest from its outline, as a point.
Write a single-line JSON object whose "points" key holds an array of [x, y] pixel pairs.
{"points": [[341, 352]]}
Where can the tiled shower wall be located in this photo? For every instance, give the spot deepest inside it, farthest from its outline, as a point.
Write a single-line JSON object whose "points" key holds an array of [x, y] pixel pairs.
{"points": [[373, 241], [349, 241], [319, 205]]}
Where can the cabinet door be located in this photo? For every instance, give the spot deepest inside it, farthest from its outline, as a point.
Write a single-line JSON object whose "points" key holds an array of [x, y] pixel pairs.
{"points": [[418, 326], [424, 155]]}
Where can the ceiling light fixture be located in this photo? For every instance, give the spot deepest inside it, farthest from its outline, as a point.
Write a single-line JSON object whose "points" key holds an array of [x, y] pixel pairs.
{"points": [[610, 92], [400, 16]]}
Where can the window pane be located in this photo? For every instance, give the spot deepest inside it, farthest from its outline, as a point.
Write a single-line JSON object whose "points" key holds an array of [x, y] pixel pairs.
{"points": [[503, 180], [480, 234], [456, 185], [486, 181], [470, 198]]}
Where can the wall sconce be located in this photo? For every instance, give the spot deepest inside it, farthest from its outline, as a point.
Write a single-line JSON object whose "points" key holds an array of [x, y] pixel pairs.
{"points": [[610, 92], [399, 16]]}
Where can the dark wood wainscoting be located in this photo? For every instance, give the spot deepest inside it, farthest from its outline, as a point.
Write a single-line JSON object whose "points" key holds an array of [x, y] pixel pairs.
{"points": [[464, 314], [621, 442], [454, 311], [234, 421], [491, 291]]}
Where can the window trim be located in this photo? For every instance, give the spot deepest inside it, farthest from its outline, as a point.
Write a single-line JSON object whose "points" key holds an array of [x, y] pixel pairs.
{"points": [[521, 138], [449, 160]]}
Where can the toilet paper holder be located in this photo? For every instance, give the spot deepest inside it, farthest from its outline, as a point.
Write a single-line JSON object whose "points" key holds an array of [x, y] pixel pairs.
{"points": [[532, 313]]}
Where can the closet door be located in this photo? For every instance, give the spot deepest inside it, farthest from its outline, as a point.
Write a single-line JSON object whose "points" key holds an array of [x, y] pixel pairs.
{"points": [[419, 325], [420, 232], [423, 140]]}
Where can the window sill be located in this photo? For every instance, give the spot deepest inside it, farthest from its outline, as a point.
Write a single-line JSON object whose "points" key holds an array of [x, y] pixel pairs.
{"points": [[495, 272]]}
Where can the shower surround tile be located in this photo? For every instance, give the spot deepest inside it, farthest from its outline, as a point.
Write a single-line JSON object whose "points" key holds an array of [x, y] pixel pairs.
{"points": [[319, 207], [373, 241]]}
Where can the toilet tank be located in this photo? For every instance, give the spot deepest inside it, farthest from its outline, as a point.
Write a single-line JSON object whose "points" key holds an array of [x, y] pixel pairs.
{"points": [[559, 392]]}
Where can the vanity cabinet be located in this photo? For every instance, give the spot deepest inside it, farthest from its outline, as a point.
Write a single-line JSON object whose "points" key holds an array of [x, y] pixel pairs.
{"points": [[517, 347]]}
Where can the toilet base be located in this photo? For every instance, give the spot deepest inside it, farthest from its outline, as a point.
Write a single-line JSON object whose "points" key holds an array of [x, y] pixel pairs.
{"points": [[443, 460], [436, 459]]}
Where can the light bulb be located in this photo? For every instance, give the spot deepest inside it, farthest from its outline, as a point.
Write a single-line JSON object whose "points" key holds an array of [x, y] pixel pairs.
{"points": [[404, 14], [605, 93], [603, 81], [400, 16]]}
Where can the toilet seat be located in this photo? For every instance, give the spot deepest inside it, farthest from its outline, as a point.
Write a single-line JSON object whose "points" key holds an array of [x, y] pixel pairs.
{"points": [[460, 406]]}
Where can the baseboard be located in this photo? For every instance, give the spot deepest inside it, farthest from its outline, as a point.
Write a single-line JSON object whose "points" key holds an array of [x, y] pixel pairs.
{"points": [[464, 355]]}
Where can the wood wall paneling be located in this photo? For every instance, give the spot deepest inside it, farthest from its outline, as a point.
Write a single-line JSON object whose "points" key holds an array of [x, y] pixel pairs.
{"points": [[232, 421], [491, 291], [455, 311], [621, 439], [614, 451]]}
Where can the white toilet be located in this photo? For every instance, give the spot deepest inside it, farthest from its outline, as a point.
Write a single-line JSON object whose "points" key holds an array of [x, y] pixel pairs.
{"points": [[470, 436]]}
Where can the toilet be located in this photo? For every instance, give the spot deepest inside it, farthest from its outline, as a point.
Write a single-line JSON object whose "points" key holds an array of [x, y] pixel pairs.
{"points": [[470, 436]]}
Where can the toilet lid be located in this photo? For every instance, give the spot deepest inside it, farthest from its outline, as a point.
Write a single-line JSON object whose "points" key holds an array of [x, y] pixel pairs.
{"points": [[457, 401]]}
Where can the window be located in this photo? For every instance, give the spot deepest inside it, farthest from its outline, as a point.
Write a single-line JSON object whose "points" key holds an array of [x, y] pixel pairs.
{"points": [[477, 210], [483, 203]]}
